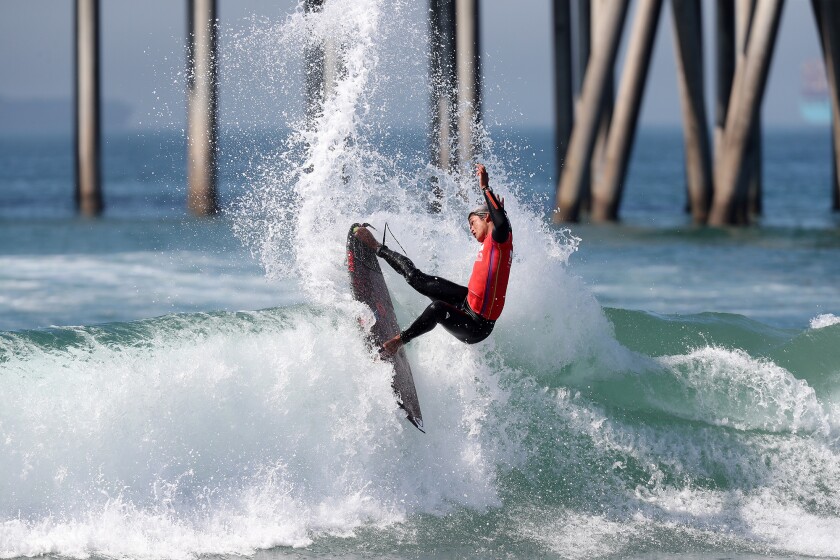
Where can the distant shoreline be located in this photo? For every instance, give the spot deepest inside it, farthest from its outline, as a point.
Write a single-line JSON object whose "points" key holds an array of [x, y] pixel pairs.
{"points": [[55, 116]]}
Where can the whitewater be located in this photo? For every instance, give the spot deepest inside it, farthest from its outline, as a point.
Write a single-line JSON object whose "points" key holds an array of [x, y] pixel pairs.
{"points": [[574, 431]]}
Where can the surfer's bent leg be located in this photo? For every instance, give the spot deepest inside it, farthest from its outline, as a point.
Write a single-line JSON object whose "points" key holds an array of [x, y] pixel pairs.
{"points": [[454, 319], [398, 262], [432, 287]]}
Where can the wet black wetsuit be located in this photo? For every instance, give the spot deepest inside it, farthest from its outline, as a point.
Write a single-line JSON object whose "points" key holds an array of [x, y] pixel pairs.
{"points": [[449, 306]]}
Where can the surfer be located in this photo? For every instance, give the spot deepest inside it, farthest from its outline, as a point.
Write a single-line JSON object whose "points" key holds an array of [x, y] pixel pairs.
{"points": [[467, 312]]}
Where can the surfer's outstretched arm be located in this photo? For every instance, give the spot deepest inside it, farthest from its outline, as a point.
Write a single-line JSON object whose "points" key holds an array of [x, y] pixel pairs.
{"points": [[495, 205]]}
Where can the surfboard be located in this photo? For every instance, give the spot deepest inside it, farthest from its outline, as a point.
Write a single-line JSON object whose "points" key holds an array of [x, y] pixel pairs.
{"points": [[368, 285]]}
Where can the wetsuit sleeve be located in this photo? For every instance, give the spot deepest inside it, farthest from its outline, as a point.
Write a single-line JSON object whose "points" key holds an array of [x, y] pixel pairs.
{"points": [[501, 225]]}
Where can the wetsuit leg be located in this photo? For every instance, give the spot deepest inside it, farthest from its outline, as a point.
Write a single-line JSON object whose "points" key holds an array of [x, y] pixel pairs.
{"points": [[433, 287], [454, 319], [446, 307]]}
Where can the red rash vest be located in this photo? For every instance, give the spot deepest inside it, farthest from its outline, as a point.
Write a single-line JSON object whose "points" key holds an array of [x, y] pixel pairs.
{"points": [[489, 279], [491, 271]]}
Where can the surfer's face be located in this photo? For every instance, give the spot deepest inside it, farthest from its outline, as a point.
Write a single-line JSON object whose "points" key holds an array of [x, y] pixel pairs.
{"points": [[479, 227]]}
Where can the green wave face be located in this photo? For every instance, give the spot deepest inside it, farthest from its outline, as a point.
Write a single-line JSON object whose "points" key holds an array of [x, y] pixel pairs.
{"points": [[663, 335]]}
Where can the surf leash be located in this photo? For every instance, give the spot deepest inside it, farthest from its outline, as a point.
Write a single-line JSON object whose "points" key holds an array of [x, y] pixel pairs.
{"points": [[384, 233]]}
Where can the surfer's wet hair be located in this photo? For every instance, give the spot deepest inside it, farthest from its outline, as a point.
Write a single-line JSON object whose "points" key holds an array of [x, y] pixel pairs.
{"points": [[481, 211]]}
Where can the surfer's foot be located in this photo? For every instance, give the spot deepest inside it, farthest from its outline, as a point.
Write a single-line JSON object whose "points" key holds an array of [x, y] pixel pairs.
{"points": [[391, 347], [365, 236]]}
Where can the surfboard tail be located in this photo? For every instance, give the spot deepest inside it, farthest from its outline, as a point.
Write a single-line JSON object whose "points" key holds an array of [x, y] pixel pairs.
{"points": [[418, 422], [412, 414]]}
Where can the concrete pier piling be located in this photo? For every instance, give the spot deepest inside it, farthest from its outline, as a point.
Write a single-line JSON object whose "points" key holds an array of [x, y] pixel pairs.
{"points": [[583, 43], [87, 116], [468, 70], [202, 133], [324, 66], [606, 193], [582, 141], [455, 76], [584, 46], [724, 66], [827, 15], [688, 32], [747, 91], [599, 9], [734, 19], [563, 86], [313, 79], [748, 192], [443, 81]]}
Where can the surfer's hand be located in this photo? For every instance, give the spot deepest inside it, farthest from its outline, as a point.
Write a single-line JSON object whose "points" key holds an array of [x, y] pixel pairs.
{"points": [[483, 178], [391, 347], [366, 237]]}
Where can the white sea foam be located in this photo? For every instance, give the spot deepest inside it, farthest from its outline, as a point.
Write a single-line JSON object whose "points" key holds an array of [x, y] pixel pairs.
{"points": [[44, 290], [756, 504], [223, 436], [792, 527], [824, 320], [577, 536], [731, 388]]}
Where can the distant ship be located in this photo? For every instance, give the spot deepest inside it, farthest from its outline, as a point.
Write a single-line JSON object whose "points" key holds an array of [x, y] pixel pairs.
{"points": [[814, 102]]}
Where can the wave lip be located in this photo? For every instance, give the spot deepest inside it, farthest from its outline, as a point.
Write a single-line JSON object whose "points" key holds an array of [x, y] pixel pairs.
{"points": [[824, 320], [731, 388]]}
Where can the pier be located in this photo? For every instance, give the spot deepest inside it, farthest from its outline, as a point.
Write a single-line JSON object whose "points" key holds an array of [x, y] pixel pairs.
{"points": [[455, 79], [202, 100], [597, 104], [723, 168], [595, 127]]}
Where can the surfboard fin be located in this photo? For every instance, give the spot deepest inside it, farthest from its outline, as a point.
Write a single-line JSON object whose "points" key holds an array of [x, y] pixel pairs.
{"points": [[418, 422]]}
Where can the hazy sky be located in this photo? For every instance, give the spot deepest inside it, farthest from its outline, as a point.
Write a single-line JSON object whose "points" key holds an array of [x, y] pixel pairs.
{"points": [[143, 49]]}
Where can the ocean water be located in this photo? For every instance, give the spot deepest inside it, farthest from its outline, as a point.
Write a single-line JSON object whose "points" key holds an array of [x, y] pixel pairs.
{"points": [[174, 387]]}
